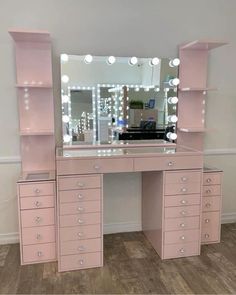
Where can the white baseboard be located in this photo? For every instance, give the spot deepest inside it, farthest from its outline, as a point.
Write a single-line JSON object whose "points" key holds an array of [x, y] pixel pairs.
{"points": [[121, 227], [218, 152], [228, 218], [10, 160], [10, 238]]}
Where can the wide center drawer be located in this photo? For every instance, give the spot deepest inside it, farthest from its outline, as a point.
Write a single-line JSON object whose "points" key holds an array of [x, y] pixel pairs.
{"points": [[37, 189], [181, 236], [38, 235], [173, 212], [80, 232], [79, 195], [181, 250], [80, 219], [183, 177], [182, 200], [181, 189], [37, 217], [83, 246], [80, 207], [182, 223], [40, 252], [79, 182], [37, 202]]}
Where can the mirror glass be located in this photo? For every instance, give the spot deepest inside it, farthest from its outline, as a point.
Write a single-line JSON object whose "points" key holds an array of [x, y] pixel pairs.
{"points": [[118, 98]]}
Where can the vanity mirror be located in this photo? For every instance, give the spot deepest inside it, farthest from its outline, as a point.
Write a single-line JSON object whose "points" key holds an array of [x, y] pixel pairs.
{"points": [[118, 98]]}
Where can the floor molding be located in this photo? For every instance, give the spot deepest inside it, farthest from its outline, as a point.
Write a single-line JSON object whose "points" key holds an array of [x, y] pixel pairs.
{"points": [[9, 238], [10, 160], [228, 218], [215, 152]]}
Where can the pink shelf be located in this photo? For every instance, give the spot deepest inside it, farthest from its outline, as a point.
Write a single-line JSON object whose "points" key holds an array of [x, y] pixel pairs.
{"points": [[29, 35], [198, 89], [202, 45]]}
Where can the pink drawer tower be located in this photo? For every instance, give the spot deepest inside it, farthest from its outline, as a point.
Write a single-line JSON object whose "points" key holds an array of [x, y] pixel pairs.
{"points": [[36, 186]]}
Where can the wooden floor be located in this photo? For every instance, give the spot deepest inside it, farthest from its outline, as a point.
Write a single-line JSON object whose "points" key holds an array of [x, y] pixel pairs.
{"points": [[131, 266]]}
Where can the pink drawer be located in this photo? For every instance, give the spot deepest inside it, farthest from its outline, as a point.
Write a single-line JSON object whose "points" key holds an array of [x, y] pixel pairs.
{"points": [[181, 236], [80, 232], [38, 235], [211, 220], [37, 189], [181, 189], [183, 177], [80, 207], [83, 246], [85, 166], [37, 202], [168, 163], [80, 219], [181, 250], [210, 235], [211, 190], [82, 261], [182, 200], [211, 178], [37, 217], [79, 195], [39, 253], [182, 223], [81, 182], [173, 212], [211, 203]]}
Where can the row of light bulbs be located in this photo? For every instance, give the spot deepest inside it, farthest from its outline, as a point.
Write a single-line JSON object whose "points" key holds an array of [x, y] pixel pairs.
{"points": [[132, 61]]}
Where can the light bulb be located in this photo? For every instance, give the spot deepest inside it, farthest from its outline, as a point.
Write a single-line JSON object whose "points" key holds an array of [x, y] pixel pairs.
{"points": [[133, 61], [65, 119], [65, 79], [173, 119], [64, 57], [171, 136], [88, 59], [66, 138], [154, 61], [156, 89], [111, 60], [146, 89], [136, 89], [173, 100], [174, 82], [65, 98], [174, 62]]}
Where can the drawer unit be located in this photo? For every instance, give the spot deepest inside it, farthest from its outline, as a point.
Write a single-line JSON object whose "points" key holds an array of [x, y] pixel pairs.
{"points": [[37, 202], [83, 246], [173, 212], [183, 177], [211, 190], [182, 200], [181, 236], [211, 204], [38, 235], [80, 232], [172, 224], [181, 250], [80, 219], [211, 220], [81, 261], [79, 195], [210, 235], [80, 207], [79, 182], [211, 178], [36, 189], [37, 217], [181, 189], [39, 253]]}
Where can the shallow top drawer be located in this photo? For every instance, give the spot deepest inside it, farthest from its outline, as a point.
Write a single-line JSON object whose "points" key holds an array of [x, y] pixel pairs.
{"points": [[80, 182], [36, 189], [183, 176], [211, 178]]}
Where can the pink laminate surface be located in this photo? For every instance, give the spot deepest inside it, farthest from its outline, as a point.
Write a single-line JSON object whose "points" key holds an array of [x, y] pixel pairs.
{"points": [[182, 223], [181, 236], [83, 246], [80, 232], [80, 219], [38, 235], [39, 253], [37, 189], [182, 200], [211, 190], [37, 202], [182, 177], [211, 203], [79, 195], [173, 212], [37, 217], [79, 182], [181, 250], [80, 207], [182, 189]]}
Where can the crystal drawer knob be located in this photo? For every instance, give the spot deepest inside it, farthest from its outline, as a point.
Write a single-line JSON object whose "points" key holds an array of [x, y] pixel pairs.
{"points": [[183, 190], [182, 225], [170, 164], [182, 237], [184, 179], [80, 197], [80, 184], [80, 209], [183, 212], [182, 250], [81, 248], [207, 236], [40, 254], [37, 204], [208, 191], [96, 167], [208, 180], [183, 202], [38, 219], [208, 205], [81, 262], [38, 237], [37, 191], [80, 235], [80, 221], [207, 220]]}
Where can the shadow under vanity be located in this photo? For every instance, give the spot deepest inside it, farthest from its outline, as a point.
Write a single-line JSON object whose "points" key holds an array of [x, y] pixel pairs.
{"points": [[110, 105]]}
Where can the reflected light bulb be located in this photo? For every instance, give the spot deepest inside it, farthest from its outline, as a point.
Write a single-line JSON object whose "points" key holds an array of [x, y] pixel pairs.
{"points": [[171, 136], [64, 57], [174, 62], [65, 98], [65, 119], [133, 61], [173, 119], [174, 82], [65, 79], [66, 138], [88, 59], [173, 100], [154, 61], [111, 60]]}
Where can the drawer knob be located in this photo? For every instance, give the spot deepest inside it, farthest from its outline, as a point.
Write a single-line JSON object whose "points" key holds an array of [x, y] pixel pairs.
{"points": [[81, 261], [182, 237], [208, 180], [184, 190], [38, 237], [182, 225], [81, 248], [40, 254], [37, 191], [184, 179], [80, 221], [80, 209], [38, 219], [207, 220], [208, 205], [80, 196], [182, 250], [80, 184], [170, 164], [96, 167], [80, 235], [37, 204], [183, 202], [183, 212], [207, 236], [208, 191]]}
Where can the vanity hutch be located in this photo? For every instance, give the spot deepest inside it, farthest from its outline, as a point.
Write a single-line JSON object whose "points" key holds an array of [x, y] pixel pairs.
{"points": [[181, 200]]}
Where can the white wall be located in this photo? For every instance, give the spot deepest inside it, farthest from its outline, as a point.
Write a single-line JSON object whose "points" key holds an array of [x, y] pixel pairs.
{"points": [[120, 28]]}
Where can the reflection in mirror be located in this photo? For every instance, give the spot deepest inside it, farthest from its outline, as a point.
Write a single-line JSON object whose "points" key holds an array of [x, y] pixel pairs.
{"points": [[118, 98]]}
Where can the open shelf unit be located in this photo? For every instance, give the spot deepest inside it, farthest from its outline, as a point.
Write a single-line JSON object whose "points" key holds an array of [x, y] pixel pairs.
{"points": [[192, 93]]}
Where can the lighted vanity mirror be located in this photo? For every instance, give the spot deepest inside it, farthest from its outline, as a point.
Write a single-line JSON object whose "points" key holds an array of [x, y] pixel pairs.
{"points": [[118, 98]]}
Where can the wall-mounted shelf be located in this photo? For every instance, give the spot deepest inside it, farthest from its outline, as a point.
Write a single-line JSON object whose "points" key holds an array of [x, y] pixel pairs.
{"points": [[29, 36], [202, 45]]}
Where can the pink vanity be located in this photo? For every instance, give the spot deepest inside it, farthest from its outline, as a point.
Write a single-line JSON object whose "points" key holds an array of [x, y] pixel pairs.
{"points": [[60, 192]]}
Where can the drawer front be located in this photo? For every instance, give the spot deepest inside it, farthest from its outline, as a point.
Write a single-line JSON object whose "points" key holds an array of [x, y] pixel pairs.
{"points": [[211, 178], [181, 250], [80, 219], [94, 166], [181, 189], [211, 203], [80, 207], [81, 261], [182, 223], [173, 212], [38, 253], [83, 246], [36, 189], [79, 195], [39, 235], [37, 217], [211, 190], [210, 235], [81, 182], [182, 200], [183, 177], [80, 232], [168, 163], [181, 236], [37, 202], [211, 220]]}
